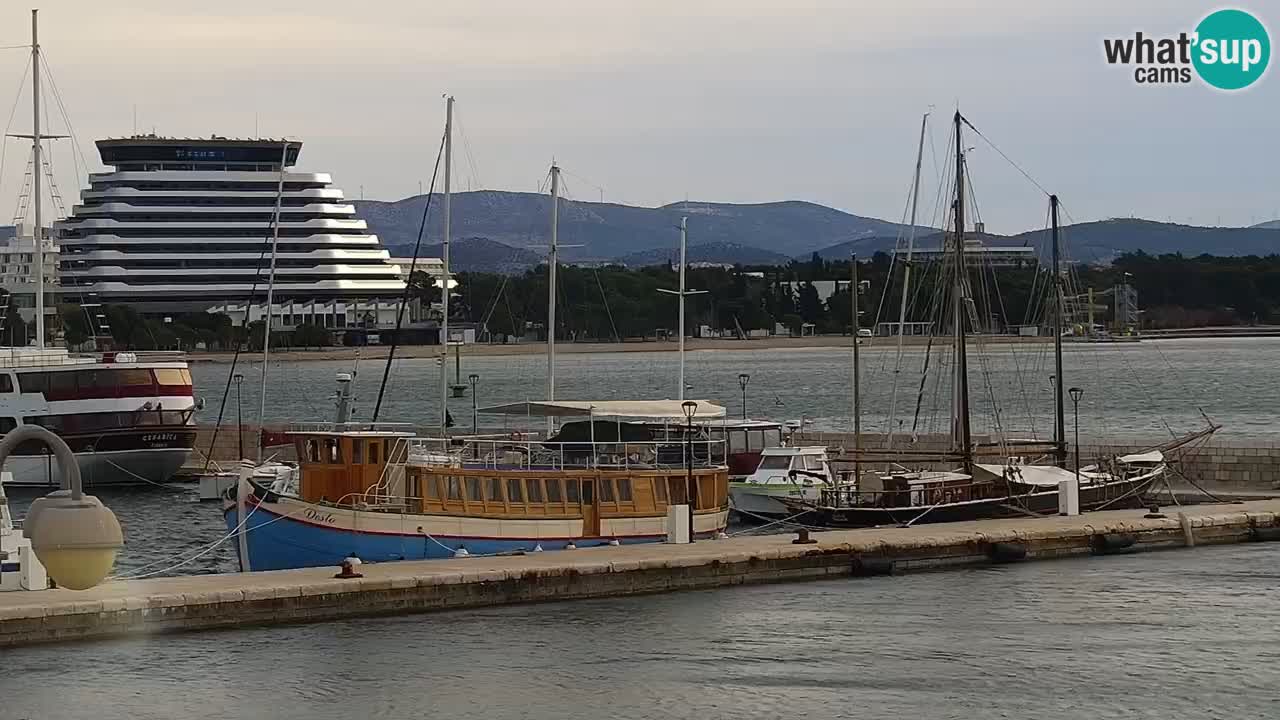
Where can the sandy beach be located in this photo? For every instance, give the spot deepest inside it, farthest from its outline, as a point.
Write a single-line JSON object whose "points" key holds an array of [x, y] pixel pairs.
{"points": [[536, 348]]}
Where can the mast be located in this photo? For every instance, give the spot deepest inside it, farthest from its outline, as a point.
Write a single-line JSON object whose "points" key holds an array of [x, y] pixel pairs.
{"points": [[684, 233], [551, 282], [444, 282], [37, 234], [271, 289], [906, 283], [960, 431], [1059, 421], [857, 386]]}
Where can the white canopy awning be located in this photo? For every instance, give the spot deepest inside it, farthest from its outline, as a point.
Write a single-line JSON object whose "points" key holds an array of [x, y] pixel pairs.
{"points": [[1038, 475], [649, 409]]}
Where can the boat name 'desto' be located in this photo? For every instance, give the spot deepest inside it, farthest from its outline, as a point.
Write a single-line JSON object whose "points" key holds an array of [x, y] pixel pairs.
{"points": [[321, 517]]}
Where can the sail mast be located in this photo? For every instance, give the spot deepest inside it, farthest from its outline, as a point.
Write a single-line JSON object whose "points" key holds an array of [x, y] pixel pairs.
{"points": [[444, 281], [906, 283], [37, 234], [961, 430], [552, 262], [857, 385], [1059, 420], [684, 229], [271, 294]]}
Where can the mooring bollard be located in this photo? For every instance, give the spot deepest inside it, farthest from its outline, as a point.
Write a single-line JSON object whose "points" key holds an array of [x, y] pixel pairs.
{"points": [[802, 538], [347, 570], [1153, 512]]}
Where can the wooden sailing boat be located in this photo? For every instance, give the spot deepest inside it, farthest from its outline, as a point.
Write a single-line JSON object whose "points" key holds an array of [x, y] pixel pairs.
{"points": [[971, 479], [379, 492]]}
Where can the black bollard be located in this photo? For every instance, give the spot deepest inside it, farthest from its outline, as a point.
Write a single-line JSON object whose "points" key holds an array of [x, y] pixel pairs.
{"points": [[802, 538]]}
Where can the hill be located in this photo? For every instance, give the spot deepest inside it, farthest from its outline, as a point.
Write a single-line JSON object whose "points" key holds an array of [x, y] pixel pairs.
{"points": [[1268, 225], [608, 231], [720, 253], [476, 254]]}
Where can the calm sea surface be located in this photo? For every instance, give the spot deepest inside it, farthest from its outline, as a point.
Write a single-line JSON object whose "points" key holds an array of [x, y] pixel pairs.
{"points": [[1192, 634], [1137, 390]]}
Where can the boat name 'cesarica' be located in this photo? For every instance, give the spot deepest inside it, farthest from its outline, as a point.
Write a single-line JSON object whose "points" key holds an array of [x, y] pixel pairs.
{"points": [[326, 518], [160, 437]]}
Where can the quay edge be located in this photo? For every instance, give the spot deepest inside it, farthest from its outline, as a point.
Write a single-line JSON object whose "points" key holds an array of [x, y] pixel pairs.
{"points": [[121, 609]]}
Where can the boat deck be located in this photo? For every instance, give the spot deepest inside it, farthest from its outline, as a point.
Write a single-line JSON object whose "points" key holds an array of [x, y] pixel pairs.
{"points": [[314, 595]]}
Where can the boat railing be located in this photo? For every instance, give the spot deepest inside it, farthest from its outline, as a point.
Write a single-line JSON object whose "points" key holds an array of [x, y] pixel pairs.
{"points": [[850, 495], [368, 427], [32, 357], [523, 453]]}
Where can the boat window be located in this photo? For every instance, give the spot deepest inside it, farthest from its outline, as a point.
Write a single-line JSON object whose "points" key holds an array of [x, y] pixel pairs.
{"points": [[33, 382], [811, 462], [133, 377], [357, 451], [7, 424], [455, 489], [6, 383], [62, 384], [737, 441], [433, 490], [553, 490], [332, 451], [473, 489], [588, 492], [571, 491], [624, 489], [659, 489], [414, 483], [606, 490], [775, 462], [535, 490], [773, 438], [186, 376], [515, 493], [172, 376], [373, 452], [493, 491], [313, 450]]}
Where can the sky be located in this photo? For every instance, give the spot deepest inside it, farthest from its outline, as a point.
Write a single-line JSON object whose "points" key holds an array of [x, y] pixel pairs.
{"points": [[653, 102]]}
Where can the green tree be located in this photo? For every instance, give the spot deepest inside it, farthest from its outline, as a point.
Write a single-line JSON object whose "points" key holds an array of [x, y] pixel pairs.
{"points": [[308, 335]]}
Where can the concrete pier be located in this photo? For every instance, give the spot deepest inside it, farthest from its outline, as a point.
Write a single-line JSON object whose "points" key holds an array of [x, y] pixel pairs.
{"points": [[295, 596]]}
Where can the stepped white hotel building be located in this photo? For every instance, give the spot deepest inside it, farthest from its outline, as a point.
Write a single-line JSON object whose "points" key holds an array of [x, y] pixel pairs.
{"points": [[184, 224]]}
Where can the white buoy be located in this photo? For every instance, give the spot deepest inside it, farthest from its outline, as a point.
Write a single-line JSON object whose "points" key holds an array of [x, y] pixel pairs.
{"points": [[461, 552], [537, 548], [722, 535], [614, 542], [570, 546]]}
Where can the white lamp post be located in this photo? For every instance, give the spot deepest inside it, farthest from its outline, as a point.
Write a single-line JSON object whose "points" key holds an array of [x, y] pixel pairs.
{"points": [[73, 534]]}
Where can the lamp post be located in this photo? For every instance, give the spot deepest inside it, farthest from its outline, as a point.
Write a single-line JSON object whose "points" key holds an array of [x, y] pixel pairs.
{"points": [[74, 535], [1075, 393], [691, 490], [239, 379], [743, 379], [473, 379]]}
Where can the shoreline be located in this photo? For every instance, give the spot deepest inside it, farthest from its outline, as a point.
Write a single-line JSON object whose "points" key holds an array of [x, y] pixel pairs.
{"points": [[816, 342]]}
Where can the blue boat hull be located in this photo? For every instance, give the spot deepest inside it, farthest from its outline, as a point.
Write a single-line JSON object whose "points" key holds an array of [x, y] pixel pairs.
{"points": [[278, 542]]}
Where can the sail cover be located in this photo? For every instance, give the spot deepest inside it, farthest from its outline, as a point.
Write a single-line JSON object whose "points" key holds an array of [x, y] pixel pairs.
{"points": [[648, 409]]}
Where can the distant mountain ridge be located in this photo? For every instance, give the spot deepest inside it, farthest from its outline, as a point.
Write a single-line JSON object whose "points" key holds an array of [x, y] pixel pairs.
{"points": [[510, 232]]}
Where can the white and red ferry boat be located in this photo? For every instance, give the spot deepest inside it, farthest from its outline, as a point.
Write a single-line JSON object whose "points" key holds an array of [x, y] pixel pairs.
{"points": [[128, 416]]}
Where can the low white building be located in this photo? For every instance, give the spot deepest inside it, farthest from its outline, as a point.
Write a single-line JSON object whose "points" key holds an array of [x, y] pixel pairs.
{"points": [[17, 272]]}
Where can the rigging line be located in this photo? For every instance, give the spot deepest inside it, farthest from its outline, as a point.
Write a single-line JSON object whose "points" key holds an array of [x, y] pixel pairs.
{"points": [[1007, 159], [17, 97], [408, 286], [16, 47], [241, 345], [66, 116], [605, 299]]}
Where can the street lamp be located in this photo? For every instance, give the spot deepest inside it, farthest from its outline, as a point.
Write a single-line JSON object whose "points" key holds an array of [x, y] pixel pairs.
{"points": [[74, 535], [473, 379], [1075, 393], [239, 379], [691, 490], [743, 379]]}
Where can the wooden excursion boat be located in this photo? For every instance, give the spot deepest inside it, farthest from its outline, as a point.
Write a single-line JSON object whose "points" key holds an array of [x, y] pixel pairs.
{"points": [[379, 492]]}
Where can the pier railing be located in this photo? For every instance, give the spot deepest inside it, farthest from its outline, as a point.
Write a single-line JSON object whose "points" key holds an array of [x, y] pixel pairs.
{"points": [[521, 453]]}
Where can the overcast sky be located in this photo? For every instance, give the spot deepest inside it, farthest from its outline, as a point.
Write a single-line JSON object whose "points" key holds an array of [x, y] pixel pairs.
{"points": [[656, 101]]}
